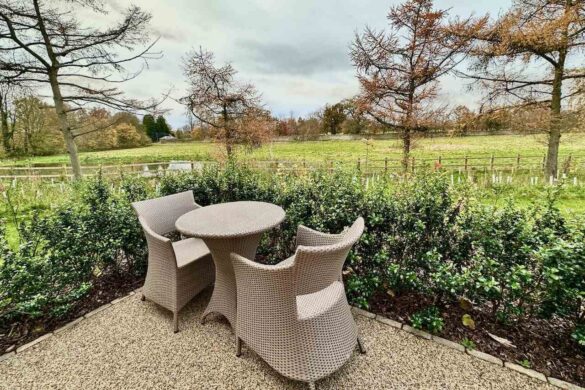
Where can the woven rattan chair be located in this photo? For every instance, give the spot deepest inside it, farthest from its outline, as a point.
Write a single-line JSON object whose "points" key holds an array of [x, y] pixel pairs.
{"points": [[295, 314], [177, 271]]}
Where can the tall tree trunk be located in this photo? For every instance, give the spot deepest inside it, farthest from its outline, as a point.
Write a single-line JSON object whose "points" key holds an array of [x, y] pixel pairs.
{"points": [[228, 133], [58, 98], [406, 146], [64, 126], [6, 133], [554, 136]]}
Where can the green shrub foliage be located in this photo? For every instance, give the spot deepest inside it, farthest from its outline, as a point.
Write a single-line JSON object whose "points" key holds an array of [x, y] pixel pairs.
{"points": [[428, 319], [422, 235]]}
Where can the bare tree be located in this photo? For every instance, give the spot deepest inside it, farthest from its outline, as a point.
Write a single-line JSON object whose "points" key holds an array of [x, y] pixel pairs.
{"points": [[399, 69], [8, 94], [216, 99], [31, 121], [523, 58], [43, 42]]}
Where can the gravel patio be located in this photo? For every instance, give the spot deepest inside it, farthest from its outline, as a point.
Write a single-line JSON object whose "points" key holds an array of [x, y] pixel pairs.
{"points": [[129, 346]]}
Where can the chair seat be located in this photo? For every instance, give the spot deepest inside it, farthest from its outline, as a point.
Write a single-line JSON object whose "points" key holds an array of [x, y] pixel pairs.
{"points": [[313, 305], [189, 250]]}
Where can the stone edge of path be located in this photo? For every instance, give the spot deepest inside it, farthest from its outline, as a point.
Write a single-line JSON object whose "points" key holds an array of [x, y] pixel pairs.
{"points": [[69, 325], [386, 321], [472, 352]]}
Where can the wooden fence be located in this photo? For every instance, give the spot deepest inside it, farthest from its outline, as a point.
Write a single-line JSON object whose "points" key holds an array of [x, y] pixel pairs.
{"points": [[531, 165]]}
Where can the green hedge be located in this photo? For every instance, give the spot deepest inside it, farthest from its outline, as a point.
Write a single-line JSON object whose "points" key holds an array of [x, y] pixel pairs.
{"points": [[422, 235]]}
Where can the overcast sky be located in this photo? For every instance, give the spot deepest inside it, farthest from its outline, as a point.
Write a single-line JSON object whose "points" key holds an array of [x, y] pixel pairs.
{"points": [[294, 51]]}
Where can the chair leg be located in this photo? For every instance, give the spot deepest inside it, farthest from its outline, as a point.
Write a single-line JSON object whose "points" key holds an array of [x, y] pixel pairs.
{"points": [[312, 386], [361, 345], [238, 346], [142, 297], [176, 322]]}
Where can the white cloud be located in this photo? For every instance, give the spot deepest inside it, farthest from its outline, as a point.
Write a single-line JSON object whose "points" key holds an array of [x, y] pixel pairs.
{"points": [[294, 51]]}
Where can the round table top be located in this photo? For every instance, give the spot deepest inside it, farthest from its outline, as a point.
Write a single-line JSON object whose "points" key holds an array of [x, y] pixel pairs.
{"points": [[227, 220]]}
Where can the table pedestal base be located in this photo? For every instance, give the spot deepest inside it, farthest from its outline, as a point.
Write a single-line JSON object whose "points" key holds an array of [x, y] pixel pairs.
{"points": [[224, 297]]}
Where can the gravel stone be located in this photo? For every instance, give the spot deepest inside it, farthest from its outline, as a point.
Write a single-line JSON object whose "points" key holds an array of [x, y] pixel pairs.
{"points": [[485, 356], [526, 371], [132, 346], [388, 321], [417, 332], [449, 343]]}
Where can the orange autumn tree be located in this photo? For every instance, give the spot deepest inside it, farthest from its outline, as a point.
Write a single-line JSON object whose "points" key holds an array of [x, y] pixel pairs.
{"points": [[399, 69], [530, 56], [232, 109]]}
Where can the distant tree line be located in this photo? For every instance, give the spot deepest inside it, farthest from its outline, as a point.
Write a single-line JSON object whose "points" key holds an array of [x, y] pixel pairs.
{"points": [[525, 62], [30, 127]]}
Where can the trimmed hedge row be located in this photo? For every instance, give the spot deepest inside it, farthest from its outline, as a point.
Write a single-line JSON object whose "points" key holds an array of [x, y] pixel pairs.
{"points": [[421, 235]]}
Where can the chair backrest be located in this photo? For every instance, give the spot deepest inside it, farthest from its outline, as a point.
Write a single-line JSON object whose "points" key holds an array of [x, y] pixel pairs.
{"points": [[161, 213], [316, 267]]}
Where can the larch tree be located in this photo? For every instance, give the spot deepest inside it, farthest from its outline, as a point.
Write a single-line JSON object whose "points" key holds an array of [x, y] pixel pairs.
{"points": [[399, 69], [531, 55], [44, 43], [217, 100]]}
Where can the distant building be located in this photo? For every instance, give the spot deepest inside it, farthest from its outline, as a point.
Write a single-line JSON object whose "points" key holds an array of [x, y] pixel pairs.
{"points": [[167, 138]]}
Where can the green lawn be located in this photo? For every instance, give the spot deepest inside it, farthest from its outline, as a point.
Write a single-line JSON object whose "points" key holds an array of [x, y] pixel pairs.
{"points": [[446, 147]]}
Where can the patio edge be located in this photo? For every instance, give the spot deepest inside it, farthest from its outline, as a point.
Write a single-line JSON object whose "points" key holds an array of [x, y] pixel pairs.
{"points": [[471, 352]]}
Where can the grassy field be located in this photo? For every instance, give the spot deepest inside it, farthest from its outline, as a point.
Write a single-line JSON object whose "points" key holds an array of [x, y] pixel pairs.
{"points": [[314, 151]]}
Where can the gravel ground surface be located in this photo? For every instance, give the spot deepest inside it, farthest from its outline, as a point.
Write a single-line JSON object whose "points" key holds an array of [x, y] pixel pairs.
{"points": [[131, 346]]}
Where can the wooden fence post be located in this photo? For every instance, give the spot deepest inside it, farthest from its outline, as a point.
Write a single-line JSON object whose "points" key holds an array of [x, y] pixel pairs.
{"points": [[492, 162], [413, 163], [568, 164], [385, 165], [518, 161], [465, 163], [358, 164], [543, 161]]}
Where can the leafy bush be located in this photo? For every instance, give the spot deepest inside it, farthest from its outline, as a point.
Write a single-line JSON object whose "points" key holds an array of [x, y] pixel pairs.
{"points": [[429, 319], [579, 335], [65, 251], [422, 235]]}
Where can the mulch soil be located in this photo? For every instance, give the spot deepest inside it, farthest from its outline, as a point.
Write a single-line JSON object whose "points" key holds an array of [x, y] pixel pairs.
{"points": [[105, 290], [545, 344]]}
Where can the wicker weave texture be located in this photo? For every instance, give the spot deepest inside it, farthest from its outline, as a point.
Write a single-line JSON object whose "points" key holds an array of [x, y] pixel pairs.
{"points": [[226, 228], [295, 314], [170, 281]]}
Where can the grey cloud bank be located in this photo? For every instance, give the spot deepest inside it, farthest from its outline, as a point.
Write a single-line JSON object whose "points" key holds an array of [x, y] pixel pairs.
{"points": [[294, 51]]}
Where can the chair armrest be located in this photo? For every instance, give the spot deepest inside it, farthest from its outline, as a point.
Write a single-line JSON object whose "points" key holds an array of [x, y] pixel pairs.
{"points": [[160, 249], [309, 237]]}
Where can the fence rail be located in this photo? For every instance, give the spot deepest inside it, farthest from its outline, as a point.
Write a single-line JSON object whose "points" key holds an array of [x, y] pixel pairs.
{"points": [[531, 164]]}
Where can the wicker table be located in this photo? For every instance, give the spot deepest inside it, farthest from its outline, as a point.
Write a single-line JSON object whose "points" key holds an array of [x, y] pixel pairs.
{"points": [[229, 227]]}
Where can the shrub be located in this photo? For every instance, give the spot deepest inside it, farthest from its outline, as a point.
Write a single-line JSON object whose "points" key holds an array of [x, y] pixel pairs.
{"points": [[422, 235], [65, 251], [429, 319]]}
